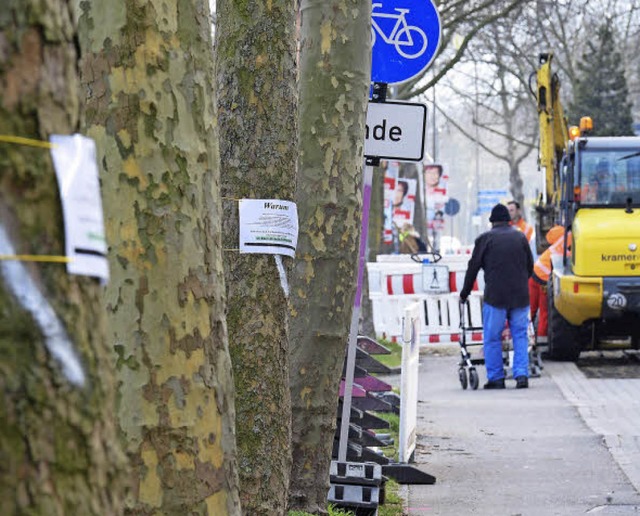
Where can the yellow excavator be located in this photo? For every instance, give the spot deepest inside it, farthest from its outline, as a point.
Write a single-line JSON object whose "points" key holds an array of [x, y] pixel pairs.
{"points": [[592, 188]]}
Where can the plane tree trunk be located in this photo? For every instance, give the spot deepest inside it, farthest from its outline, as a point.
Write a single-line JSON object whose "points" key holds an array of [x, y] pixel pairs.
{"points": [[334, 83], [256, 74], [59, 452], [147, 70]]}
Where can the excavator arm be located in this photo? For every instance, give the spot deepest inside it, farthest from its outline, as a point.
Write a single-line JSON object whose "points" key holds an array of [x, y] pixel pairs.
{"points": [[554, 140], [554, 135]]}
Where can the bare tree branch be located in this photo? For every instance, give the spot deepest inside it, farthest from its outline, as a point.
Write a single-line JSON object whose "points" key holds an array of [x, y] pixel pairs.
{"points": [[411, 88]]}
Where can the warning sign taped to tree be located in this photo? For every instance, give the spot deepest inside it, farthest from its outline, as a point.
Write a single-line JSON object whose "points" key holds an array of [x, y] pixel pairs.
{"points": [[268, 226], [75, 164]]}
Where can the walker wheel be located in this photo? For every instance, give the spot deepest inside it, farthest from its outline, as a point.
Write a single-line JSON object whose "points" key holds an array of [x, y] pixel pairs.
{"points": [[462, 373], [473, 378]]}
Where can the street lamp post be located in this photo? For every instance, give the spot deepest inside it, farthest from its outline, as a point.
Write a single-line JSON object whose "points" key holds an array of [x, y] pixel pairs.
{"points": [[433, 127], [477, 149]]}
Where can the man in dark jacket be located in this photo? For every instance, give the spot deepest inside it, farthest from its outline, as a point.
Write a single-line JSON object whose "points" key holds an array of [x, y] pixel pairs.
{"points": [[504, 254]]}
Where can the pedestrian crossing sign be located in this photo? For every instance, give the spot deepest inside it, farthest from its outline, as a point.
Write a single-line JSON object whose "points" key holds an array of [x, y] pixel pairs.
{"points": [[435, 279]]}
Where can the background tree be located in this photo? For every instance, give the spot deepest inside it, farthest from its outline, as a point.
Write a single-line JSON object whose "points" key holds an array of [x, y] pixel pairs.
{"points": [[494, 90], [151, 108], [256, 74], [625, 17], [59, 452], [334, 83], [567, 27], [461, 21], [600, 90]]}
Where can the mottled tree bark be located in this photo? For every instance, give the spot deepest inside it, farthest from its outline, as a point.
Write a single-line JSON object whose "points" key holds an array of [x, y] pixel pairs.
{"points": [[59, 452], [256, 74], [147, 70], [334, 82]]}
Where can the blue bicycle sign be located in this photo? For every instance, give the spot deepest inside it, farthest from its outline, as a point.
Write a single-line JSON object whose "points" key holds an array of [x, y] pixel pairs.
{"points": [[405, 36], [400, 37]]}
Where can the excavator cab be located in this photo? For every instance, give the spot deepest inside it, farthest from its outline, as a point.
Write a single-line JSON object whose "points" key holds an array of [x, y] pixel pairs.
{"points": [[608, 173]]}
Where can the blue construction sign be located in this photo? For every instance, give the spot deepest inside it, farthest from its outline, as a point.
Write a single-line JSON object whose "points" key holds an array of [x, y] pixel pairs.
{"points": [[405, 37], [487, 199]]}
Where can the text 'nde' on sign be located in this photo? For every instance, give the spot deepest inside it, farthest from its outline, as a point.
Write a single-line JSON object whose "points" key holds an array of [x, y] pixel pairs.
{"points": [[395, 130]]}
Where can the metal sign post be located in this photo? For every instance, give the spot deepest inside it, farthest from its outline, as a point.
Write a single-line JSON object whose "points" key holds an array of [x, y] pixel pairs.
{"points": [[379, 94], [409, 149], [355, 317]]}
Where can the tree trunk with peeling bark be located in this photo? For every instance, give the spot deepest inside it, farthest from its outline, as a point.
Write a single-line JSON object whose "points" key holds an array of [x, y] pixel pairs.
{"points": [[59, 452], [257, 100], [151, 108], [334, 83]]}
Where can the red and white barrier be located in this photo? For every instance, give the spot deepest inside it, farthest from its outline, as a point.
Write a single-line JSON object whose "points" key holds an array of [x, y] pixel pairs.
{"points": [[396, 281], [413, 284]]}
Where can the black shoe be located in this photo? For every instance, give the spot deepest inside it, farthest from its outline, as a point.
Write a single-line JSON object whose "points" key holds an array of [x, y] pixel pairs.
{"points": [[494, 384], [522, 382]]}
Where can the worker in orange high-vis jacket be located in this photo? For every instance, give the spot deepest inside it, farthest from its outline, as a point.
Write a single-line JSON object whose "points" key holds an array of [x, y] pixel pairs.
{"points": [[522, 225], [540, 277]]}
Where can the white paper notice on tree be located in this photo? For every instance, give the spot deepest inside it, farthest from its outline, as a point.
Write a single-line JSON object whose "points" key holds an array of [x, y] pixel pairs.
{"points": [[268, 226], [74, 160]]}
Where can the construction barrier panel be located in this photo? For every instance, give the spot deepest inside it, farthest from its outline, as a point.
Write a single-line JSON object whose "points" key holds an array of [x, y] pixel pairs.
{"points": [[396, 281]]}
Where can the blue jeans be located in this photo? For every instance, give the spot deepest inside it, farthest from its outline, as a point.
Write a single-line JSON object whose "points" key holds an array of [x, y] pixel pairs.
{"points": [[493, 321]]}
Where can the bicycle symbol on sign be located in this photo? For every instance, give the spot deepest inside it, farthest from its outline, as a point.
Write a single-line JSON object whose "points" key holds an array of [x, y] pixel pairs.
{"points": [[412, 38]]}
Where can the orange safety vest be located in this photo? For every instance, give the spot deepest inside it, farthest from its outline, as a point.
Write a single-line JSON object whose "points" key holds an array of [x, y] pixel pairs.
{"points": [[527, 229], [542, 267]]}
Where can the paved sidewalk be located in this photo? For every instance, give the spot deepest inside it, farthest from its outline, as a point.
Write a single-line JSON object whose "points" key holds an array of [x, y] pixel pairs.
{"points": [[609, 407], [526, 452]]}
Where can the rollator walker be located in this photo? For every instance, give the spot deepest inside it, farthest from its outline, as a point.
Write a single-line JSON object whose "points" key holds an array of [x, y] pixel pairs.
{"points": [[467, 372]]}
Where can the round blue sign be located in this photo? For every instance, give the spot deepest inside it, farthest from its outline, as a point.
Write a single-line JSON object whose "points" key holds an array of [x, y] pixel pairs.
{"points": [[452, 207], [405, 36]]}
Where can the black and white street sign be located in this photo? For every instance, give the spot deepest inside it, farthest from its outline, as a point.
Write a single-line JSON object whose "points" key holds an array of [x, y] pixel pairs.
{"points": [[395, 130]]}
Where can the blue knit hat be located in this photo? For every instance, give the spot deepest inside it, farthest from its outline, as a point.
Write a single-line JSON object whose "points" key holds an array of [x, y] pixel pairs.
{"points": [[500, 213]]}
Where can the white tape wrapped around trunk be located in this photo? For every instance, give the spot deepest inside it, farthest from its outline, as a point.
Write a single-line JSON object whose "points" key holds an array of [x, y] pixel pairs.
{"points": [[26, 292]]}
